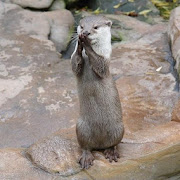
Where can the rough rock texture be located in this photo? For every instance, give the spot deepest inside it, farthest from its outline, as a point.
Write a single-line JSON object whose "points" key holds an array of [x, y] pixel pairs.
{"points": [[147, 95], [38, 97], [54, 25], [37, 4], [15, 166], [57, 154], [174, 34]]}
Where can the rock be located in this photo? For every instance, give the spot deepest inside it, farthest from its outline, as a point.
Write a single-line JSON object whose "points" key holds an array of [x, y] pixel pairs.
{"points": [[55, 26], [176, 112], [57, 154], [147, 95], [14, 166], [148, 155], [143, 148], [174, 35], [37, 4], [57, 4], [162, 164], [143, 9], [33, 105], [61, 23]]}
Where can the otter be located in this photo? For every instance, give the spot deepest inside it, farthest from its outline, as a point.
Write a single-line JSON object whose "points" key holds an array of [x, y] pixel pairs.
{"points": [[100, 126]]}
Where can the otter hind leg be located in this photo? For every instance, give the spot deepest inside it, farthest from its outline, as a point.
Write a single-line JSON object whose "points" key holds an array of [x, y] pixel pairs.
{"points": [[112, 154], [86, 159]]}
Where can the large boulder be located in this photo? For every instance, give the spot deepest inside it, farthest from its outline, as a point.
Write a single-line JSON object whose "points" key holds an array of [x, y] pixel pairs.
{"points": [[54, 25], [145, 84], [174, 35], [37, 4], [27, 80]]}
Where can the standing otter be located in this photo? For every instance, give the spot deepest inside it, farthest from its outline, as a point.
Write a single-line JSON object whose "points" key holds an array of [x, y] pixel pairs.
{"points": [[100, 125]]}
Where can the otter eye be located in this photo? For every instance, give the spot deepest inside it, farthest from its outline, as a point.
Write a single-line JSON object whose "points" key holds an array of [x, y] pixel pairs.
{"points": [[96, 27], [81, 27]]}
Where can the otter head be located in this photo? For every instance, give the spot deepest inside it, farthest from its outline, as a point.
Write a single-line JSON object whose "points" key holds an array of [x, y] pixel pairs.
{"points": [[98, 31]]}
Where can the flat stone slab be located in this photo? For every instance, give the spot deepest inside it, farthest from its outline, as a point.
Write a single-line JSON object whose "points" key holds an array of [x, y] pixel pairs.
{"points": [[37, 4], [155, 150], [157, 165], [15, 166]]}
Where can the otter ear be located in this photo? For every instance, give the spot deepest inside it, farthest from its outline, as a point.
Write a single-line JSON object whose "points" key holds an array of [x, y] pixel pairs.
{"points": [[109, 23]]}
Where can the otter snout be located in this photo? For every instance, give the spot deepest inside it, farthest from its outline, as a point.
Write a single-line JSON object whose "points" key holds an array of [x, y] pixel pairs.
{"points": [[86, 33]]}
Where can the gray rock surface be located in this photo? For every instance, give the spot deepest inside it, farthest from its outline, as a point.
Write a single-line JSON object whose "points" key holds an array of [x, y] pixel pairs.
{"points": [[54, 25], [37, 4], [15, 166], [57, 154], [27, 80]]}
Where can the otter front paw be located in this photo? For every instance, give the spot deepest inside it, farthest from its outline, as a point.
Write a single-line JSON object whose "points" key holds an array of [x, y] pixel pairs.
{"points": [[79, 48], [111, 154], [86, 43], [86, 160]]}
